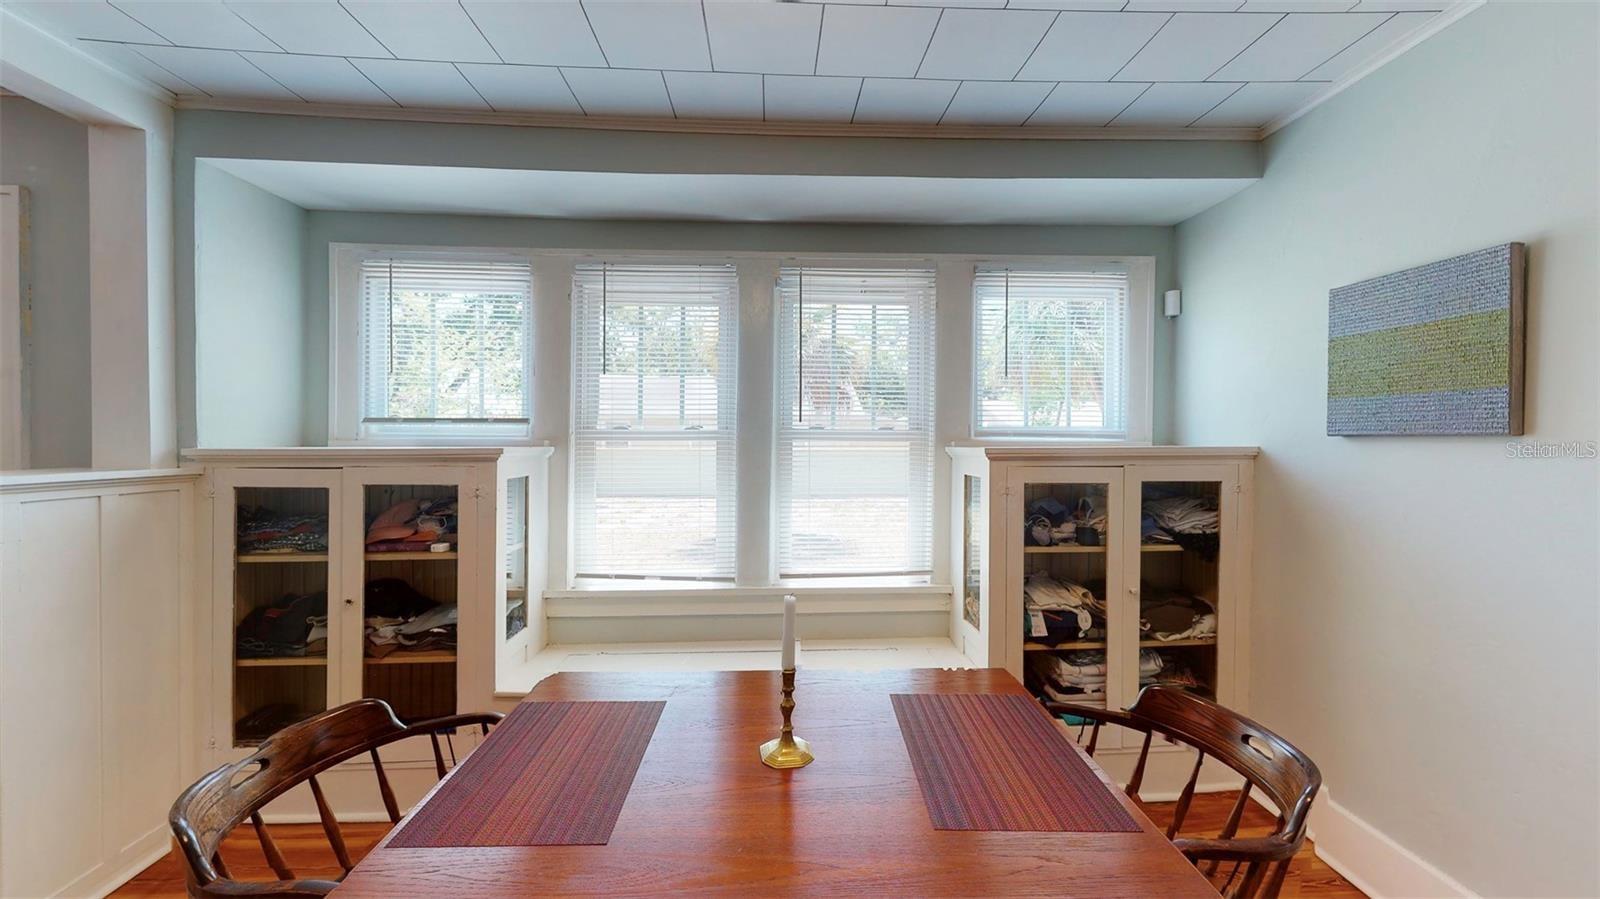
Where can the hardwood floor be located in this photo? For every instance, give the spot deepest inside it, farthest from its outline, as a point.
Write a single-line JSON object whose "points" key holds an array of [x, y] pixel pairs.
{"points": [[306, 850]]}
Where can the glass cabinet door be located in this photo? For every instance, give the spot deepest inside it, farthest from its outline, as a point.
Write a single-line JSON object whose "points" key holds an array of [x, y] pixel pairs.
{"points": [[1183, 573], [1068, 549], [413, 529], [281, 571]]}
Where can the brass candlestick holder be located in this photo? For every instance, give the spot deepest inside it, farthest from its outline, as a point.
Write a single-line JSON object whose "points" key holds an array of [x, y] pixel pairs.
{"points": [[788, 751]]}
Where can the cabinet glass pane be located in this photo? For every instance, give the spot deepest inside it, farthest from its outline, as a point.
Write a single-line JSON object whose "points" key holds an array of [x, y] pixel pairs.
{"points": [[1179, 544], [516, 561], [280, 609], [1064, 537], [408, 641]]}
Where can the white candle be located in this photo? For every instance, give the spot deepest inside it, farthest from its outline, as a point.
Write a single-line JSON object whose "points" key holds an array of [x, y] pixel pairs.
{"points": [[788, 632]]}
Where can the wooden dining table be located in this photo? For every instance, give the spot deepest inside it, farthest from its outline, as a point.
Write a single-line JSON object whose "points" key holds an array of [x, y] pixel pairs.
{"points": [[704, 816]]}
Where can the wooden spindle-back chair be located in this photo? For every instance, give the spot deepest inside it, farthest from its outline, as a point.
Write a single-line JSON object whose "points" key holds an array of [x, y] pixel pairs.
{"points": [[1267, 762], [210, 809]]}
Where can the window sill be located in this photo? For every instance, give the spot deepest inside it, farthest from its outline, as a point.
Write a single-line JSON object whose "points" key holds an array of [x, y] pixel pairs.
{"points": [[740, 601]]}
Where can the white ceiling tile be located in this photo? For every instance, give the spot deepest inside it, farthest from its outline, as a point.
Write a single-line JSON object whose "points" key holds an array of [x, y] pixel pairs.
{"points": [[865, 40], [309, 26], [1089, 104], [220, 73], [1173, 105], [983, 43], [321, 79], [1193, 45], [1375, 42], [776, 38], [1297, 44], [1183, 5], [1297, 5], [1404, 5], [125, 58], [995, 102], [1080, 5], [93, 19], [904, 100], [521, 88], [551, 33], [665, 34], [196, 24], [715, 95], [848, 2], [810, 98], [1091, 46], [948, 4], [620, 92], [413, 83], [1255, 105], [423, 29]]}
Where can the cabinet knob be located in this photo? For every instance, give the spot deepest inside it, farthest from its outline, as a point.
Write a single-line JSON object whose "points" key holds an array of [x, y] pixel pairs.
{"points": [[1132, 590], [349, 602]]}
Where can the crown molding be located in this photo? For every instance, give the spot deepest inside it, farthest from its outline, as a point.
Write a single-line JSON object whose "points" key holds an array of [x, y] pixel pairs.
{"points": [[1443, 20], [714, 126]]}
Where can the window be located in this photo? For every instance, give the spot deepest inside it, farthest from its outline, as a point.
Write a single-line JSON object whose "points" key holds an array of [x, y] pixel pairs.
{"points": [[654, 367], [1052, 353], [445, 346], [855, 422]]}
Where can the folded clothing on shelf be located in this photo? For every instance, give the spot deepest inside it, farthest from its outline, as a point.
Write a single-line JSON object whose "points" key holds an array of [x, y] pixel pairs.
{"points": [[1084, 671], [1068, 611], [1174, 615], [284, 628], [1191, 521], [412, 525], [1049, 523], [262, 530], [399, 619]]}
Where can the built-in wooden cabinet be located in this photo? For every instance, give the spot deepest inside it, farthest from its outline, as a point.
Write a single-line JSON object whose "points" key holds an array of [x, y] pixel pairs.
{"points": [[1091, 572], [336, 574]]}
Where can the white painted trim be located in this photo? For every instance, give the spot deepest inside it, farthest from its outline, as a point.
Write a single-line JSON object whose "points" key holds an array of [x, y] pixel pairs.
{"points": [[1372, 860], [325, 456], [1435, 25], [711, 126], [15, 308], [56, 480], [745, 601], [141, 854]]}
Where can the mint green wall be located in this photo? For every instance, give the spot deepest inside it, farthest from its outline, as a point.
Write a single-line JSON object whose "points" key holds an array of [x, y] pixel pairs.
{"points": [[249, 314], [484, 231], [1425, 611]]}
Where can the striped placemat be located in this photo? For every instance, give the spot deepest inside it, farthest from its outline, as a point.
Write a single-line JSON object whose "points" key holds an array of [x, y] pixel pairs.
{"points": [[990, 761], [550, 774]]}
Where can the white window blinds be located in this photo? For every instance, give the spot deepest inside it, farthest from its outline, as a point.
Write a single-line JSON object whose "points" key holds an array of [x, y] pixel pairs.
{"points": [[1052, 352], [654, 368], [855, 422], [445, 343]]}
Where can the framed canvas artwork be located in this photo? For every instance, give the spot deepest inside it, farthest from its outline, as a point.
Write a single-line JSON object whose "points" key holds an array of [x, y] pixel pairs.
{"points": [[1435, 349]]}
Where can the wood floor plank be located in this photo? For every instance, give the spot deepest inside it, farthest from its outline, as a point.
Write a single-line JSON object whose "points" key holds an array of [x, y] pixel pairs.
{"points": [[306, 850]]}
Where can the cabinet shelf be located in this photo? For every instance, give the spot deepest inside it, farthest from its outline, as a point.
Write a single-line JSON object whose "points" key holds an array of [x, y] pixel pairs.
{"points": [[1074, 548], [413, 658], [1060, 647], [1159, 644], [283, 662], [267, 558], [450, 556]]}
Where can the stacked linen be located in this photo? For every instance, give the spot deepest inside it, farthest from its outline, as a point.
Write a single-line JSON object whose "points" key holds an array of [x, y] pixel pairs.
{"points": [[262, 530], [1068, 676], [1066, 611], [400, 619], [1169, 615], [412, 525], [1190, 521]]}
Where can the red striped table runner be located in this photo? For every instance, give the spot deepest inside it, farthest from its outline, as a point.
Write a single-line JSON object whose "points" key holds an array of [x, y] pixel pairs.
{"points": [[989, 761], [550, 774]]}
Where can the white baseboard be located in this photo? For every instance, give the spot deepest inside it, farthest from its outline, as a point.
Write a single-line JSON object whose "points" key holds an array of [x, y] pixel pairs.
{"points": [[100, 880], [1369, 858]]}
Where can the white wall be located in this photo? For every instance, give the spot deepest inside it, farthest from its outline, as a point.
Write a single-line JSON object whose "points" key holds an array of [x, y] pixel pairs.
{"points": [[48, 154], [1425, 613], [96, 650], [249, 313]]}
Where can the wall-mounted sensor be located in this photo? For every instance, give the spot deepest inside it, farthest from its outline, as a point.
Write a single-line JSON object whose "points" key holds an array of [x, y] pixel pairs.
{"points": [[1174, 301]]}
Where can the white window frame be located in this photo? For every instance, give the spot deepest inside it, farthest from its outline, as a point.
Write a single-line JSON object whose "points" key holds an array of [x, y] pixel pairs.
{"points": [[345, 425], [1139, 358]]}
